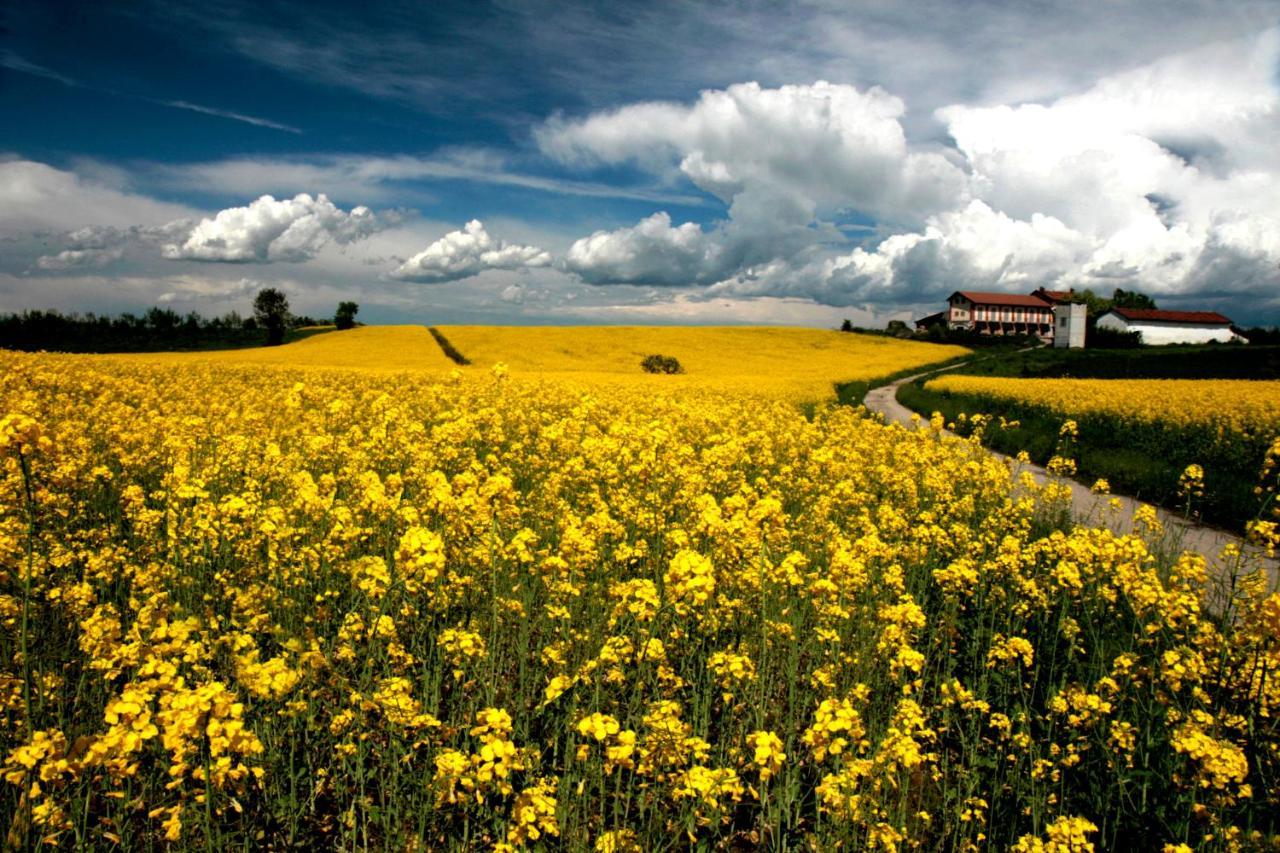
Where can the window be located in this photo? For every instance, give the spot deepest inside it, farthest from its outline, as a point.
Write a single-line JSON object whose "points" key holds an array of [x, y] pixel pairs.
{"points": [[1062, 322]]}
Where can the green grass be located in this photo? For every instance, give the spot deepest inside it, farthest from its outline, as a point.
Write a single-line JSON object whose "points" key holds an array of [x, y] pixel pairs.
{"points": [[853, 393]]}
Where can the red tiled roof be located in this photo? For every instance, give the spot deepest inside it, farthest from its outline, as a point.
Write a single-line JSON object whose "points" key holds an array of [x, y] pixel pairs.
{"points": [[1159, 316], [979, 297], [1055, 295]]}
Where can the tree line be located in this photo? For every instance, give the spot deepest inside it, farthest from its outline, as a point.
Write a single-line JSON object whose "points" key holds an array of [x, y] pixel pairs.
{"points": [[157, 329]]}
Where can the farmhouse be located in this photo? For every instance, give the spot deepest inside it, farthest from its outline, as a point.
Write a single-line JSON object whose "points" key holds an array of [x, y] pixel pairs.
{"points": [[1170, 327], [1001, 313]]}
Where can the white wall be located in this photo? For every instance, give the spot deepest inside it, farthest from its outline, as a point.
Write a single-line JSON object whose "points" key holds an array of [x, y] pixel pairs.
{"points": [[1155, 334], [1069, 321]]}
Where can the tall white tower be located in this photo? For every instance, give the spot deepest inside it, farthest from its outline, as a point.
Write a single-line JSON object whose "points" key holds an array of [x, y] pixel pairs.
{"points": [[1068, 324]]}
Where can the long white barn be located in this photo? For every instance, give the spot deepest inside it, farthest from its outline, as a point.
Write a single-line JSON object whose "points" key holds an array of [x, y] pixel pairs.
{"points": [[1169, 327]]}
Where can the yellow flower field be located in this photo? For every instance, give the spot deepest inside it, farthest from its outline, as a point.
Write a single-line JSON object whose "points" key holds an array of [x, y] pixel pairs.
{"points": [[801, 365], [784, 363], [246, 605], [1236, 405]]}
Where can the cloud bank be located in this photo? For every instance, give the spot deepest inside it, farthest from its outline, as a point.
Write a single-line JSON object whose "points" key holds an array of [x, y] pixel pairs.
{"points": [[466, 253], [1164, 178]]}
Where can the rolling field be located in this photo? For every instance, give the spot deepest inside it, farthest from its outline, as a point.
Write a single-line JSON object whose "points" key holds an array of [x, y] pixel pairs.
{"points": [[802, 365], [257, 599], [784, 363]]}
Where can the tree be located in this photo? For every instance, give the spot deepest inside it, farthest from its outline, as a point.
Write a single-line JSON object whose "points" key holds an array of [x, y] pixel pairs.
{"points": [[847, 325], [271, 309], [345, 318], [1131, 299]]}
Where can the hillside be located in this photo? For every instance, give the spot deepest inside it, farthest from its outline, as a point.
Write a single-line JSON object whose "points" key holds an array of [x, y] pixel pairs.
{"points": [[783, 363]]}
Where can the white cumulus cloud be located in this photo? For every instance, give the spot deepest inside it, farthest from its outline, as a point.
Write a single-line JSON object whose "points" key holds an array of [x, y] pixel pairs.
{"points": [[651, 252], [785, 161], [269, 230], [826, 145], [471, 251]]}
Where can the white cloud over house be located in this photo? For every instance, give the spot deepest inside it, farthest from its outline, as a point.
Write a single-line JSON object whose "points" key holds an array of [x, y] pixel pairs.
{"points": [[1163, 178]]}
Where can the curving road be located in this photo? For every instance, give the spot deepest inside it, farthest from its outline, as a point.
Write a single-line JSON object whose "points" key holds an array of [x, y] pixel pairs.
{"points": [[1087, 507]]}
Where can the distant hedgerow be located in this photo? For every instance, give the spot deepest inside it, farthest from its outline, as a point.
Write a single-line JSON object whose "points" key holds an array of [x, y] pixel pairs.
{"points": [[661, 364]]}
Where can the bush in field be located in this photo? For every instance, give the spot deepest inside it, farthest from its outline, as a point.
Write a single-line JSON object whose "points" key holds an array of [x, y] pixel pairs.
{"points": [[661, 364]]}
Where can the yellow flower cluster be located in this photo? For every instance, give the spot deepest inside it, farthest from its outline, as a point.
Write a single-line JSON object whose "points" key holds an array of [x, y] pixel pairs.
{"points": [[272, 606]]}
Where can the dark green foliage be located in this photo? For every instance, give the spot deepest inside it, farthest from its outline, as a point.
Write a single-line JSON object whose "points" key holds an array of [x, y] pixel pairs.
{"points": [[271, 309], [847, 325], [1099, 305], [448, 348], [1105, 338], [158, 329], [1131, 299], [1260, 335], [345, 316], [661, 364]]}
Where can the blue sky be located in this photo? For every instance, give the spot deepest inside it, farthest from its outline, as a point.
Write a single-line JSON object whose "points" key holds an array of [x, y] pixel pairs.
{"points": [[671, 162]]}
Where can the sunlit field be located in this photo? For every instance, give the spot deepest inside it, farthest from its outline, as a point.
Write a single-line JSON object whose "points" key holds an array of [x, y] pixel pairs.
{"points": [[790, 363], [258, 604], [802, 365]]}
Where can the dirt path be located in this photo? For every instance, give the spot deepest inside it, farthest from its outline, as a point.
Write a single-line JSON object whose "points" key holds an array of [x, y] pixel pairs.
{"points": [[1087, 507]]}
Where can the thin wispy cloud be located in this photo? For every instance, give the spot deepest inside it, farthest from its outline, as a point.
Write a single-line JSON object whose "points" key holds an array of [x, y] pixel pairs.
{"points": [[234, 116], [11, 60], [383, 179], [14, 62]]}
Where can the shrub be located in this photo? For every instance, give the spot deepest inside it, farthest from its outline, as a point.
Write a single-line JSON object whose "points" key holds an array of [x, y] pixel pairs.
{"points": [[1101, 337], [661, 364]]}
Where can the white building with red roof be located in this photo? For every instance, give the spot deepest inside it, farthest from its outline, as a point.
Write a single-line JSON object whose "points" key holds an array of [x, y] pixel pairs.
{"points": [[1170, 327]]}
